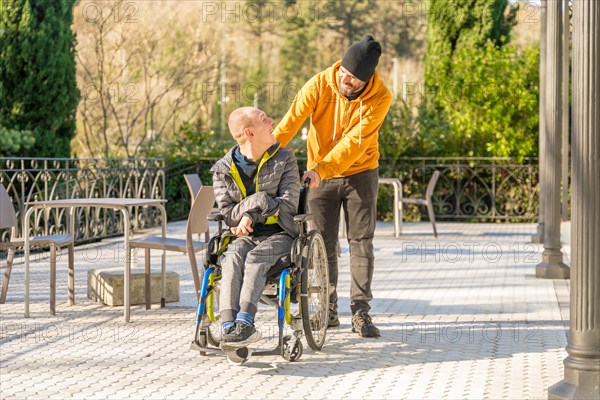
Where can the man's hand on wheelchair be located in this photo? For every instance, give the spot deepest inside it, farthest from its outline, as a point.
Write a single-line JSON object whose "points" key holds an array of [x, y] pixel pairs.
{"points": [[244, 228], [314, 177]]}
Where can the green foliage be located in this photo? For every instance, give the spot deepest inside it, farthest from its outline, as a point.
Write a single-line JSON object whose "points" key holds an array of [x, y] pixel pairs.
{"points": [[14, 142], [299, 52], [454, 25], [349, 18], [398, 137], [398, 134], [490, 105], [37, 74], [481, 94]]}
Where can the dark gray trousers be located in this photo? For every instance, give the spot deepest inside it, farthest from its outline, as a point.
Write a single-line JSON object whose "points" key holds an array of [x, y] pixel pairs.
{"points": [[244, 266], [358, 195]]}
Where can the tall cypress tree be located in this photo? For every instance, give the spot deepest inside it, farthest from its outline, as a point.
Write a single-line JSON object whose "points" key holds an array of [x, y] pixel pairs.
{"points": [[37, 73]]}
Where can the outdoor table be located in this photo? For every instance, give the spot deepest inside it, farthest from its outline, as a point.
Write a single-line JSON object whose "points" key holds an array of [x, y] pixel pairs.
{"points": [[111, 203]]}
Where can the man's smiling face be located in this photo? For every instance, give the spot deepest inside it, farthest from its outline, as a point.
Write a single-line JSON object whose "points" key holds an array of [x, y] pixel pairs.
{"points": [[349, 84]]}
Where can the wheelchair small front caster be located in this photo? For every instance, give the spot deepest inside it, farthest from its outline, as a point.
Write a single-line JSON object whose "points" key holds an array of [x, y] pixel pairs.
{"points": [[292, 348], [238, 356]]}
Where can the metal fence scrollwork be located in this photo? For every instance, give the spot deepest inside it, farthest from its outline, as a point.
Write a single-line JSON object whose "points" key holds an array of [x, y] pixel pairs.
{"points": [[476, 189], [31, 179], [469, 189]]}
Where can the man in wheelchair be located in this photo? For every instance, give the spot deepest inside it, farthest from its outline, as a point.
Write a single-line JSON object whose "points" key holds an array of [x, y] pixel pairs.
{"points": [[257, 191]]}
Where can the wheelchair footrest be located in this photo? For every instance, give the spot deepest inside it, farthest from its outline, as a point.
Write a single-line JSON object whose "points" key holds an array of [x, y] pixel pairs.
{"points": [[207, 350], [273, 352]]}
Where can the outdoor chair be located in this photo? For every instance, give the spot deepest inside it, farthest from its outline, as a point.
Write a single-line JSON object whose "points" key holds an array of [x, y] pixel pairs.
{"points": [[193, 183], [8, 219], [426, 201], [197, 223]]}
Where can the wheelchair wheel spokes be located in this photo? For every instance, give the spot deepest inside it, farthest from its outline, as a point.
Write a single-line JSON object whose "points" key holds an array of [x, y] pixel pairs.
{"points": [[315, 284]]}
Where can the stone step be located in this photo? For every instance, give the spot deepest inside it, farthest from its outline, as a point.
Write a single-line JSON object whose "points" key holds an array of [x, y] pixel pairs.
{"points": [[105, 285]]}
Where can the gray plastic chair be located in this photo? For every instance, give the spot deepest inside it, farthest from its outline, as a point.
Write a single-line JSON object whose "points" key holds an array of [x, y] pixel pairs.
{"points": [[197, 223], [193, 183], [8, 219], [426, 201]]}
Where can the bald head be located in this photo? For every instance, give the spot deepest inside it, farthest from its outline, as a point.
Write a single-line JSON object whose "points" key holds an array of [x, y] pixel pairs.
{"points": [[241, 119]]}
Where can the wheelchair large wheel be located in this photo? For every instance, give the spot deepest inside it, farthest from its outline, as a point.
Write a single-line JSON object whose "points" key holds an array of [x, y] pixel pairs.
{"points": [[314, 287]]}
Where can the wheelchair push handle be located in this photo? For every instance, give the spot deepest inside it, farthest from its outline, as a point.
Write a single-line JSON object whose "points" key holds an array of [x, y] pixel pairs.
{"points": [[302, 215]]}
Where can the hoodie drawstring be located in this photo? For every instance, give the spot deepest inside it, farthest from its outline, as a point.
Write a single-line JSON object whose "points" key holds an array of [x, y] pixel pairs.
{"points": [[337, 105], [360, 125]]}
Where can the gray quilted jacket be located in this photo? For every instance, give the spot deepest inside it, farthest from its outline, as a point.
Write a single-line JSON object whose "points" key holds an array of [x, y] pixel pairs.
{"points": [[278, 189]]}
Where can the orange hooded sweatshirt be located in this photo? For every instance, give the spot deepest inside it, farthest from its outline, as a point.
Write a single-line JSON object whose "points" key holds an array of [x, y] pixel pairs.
{"points": [[343, 135]]}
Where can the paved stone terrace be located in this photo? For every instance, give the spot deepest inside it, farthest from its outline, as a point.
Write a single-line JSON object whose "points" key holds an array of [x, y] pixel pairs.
{"points": [[462, 316]]}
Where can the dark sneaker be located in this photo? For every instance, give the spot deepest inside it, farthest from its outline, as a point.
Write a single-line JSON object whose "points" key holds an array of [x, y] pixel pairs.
{"points": [[228, 330], [241, 336], [333, 319], [363, 325]]}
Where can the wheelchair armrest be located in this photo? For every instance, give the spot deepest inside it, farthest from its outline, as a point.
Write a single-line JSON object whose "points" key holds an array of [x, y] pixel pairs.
{"points": [[215, 217], [302, 218]]}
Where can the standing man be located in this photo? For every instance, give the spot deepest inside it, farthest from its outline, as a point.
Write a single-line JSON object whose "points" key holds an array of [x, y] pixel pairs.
{"points": [[348, 103]]}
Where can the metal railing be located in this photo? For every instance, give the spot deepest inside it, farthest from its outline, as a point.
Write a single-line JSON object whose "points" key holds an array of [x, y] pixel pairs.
{"points": [[475, 189], [31, 179]]}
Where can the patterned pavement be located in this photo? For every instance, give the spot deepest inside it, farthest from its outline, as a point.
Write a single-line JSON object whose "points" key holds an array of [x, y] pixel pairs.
{"points": [[462, 316]]}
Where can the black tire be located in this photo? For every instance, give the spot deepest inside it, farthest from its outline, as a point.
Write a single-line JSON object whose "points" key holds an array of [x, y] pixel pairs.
{"points": [[201, 341], [314, 292], [238, 356], [289, 353]]}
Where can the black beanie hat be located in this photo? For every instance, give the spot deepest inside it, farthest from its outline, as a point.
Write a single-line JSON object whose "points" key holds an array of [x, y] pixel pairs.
{"points": [[362, 57]]}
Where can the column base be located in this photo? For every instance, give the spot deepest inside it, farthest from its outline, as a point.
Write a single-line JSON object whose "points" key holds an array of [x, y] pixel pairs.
{"points": [[568, 391], [552, 271], [552, 266], [538, 237]]}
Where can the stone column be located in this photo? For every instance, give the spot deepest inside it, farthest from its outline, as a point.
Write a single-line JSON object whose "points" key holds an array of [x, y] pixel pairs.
{"points": [[582, 366], [565, 113], [538, 237], [552, 265]]}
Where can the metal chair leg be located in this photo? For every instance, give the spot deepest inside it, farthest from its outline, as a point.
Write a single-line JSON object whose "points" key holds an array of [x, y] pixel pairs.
{"points": [[431, 217], [147, 278], [195, 274], [53, 279], [9, 263], [71, 251]]}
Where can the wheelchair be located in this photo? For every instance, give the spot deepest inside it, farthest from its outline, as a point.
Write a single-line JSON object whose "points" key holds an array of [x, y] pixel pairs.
{"points": [[302, 279]]}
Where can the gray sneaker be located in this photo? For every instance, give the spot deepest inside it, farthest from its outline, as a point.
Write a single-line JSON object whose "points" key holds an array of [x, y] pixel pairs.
{"points": [[241, 336]]}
